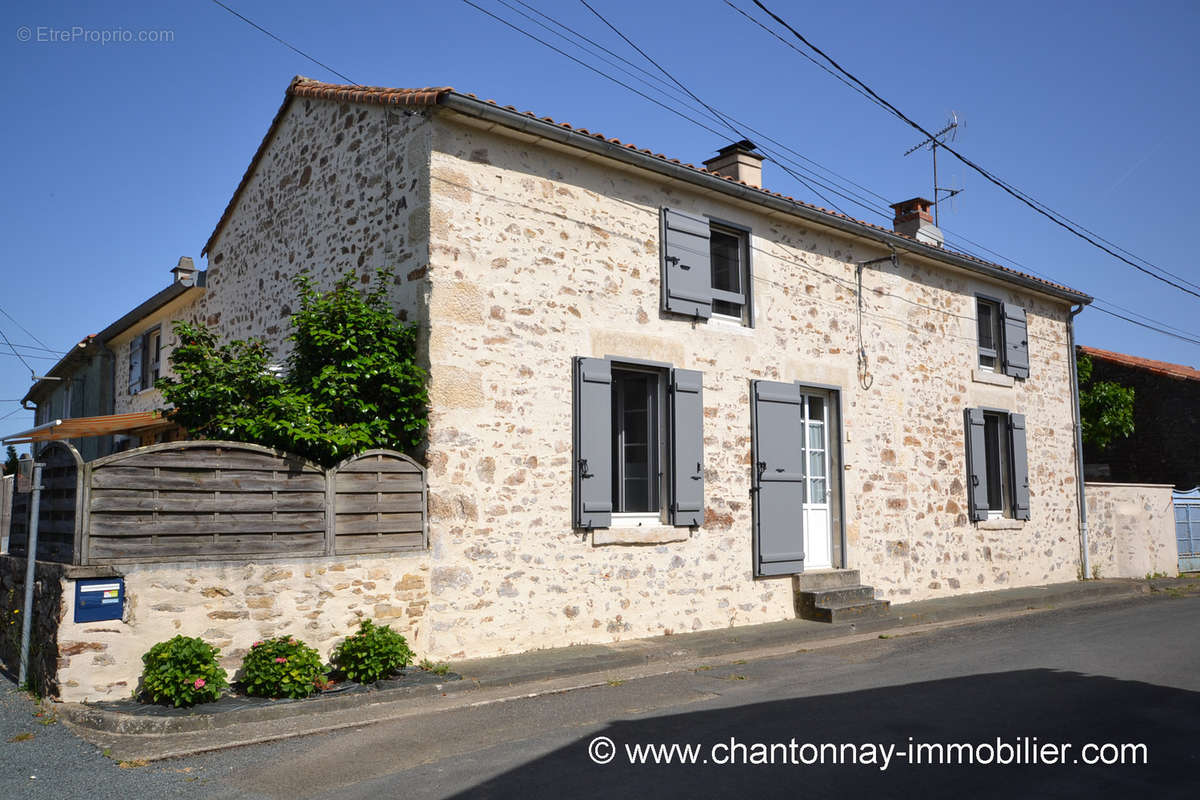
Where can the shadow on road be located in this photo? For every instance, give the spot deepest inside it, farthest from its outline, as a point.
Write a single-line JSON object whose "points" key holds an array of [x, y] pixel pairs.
{"points": [[1056, 707]]}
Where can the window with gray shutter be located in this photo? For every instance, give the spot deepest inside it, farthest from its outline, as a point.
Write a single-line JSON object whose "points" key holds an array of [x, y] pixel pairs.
{"points": [[686, 264], [977, 472], [1016, 342], [135, 365], [778, 477], [687, 448], [593, 410], [1019, 460]]}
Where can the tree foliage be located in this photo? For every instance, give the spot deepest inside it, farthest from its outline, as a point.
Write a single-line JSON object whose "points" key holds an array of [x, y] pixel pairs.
{"points": [[11, 462], [351, 382], [1105, 408]]}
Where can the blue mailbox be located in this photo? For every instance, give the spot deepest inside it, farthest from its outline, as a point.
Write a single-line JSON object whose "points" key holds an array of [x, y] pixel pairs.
{"points": [[99, 599]]}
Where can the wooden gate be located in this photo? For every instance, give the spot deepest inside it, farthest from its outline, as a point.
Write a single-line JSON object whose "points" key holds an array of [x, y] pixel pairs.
{"points": [[378, 503], [60, 520]]}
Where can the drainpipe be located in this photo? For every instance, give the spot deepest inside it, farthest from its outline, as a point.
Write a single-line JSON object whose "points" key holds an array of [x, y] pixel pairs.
{"points": [[1083, 526], [35, 511]]}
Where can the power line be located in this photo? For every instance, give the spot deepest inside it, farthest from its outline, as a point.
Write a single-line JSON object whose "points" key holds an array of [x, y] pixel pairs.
{"points": [[27, 331], [31, 371], [1008, 188], [692, 94], [286, 44]]}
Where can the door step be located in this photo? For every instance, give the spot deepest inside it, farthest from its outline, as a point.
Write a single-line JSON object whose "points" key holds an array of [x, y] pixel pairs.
{"points": [[836, 596]]}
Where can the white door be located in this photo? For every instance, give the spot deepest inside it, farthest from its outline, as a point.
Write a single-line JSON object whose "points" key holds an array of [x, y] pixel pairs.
{"points": [[818, 542]]}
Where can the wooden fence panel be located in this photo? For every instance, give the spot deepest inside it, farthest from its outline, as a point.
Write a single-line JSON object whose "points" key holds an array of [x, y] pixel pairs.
{"points": [[60, 520], [378, 504], [203, 500]]}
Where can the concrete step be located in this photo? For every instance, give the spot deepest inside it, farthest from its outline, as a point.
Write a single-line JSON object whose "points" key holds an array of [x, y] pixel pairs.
{"points": [[851, 612], [840, 597], [826, 579]]}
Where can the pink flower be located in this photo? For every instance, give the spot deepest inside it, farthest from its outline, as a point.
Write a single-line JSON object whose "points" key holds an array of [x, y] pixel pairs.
{"points": [[280, 660], [199, 683], [256, 644]]}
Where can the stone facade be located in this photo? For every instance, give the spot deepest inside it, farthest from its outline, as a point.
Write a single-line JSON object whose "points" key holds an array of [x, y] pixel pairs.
{"points": [[48, 610], [231, 605], [513, 256], [537, 256], [1131, 530]]}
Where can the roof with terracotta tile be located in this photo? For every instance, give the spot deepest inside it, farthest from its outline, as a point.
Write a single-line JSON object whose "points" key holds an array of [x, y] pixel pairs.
{"points": [[1181, 371], [433, 96]]}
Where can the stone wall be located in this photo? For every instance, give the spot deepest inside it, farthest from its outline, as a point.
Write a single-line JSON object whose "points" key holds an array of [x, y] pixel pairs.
{"points": [[1131, 530], [231, 605], [49, 609], [538, 255]]}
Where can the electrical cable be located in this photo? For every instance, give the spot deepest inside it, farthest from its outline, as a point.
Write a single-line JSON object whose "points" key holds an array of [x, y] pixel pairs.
{"points": [[1008, 188]]}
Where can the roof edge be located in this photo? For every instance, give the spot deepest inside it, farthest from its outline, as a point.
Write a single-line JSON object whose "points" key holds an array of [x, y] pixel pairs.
{"points": [[1168, 368]]}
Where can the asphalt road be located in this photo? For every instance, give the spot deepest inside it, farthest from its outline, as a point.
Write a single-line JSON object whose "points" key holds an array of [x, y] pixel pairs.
{"points": [[1125, 674]]}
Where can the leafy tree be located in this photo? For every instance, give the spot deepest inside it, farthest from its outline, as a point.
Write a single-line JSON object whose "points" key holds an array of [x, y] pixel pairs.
{"points": [[11, 462], [351, 383], [1105, 408]]}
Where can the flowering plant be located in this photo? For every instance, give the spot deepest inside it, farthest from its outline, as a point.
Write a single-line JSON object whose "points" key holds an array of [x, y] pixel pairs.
{"points": [[182, 671], [373, 653], [282, 667]]}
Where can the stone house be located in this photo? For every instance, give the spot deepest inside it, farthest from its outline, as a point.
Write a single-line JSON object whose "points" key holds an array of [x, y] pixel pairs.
{"points": [[1166, 413], [658, 392], [662, 397]]}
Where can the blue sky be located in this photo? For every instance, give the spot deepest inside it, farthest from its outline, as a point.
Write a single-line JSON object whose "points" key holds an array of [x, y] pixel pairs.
{"points": [[122, 155]]}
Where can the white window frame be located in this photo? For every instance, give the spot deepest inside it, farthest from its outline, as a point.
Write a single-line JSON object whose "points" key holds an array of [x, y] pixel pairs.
{"points": [[742, 233], [996, 351], [635, 519], [1003, 464]]}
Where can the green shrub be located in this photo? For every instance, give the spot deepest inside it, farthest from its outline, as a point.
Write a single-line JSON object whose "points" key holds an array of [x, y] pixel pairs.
{"points": [[282, 667], [373, 653], [182, 671]]}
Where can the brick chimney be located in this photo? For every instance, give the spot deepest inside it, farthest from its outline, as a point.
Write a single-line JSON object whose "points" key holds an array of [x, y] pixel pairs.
{"points": [[185, 271], [913, 219], [738, 161]]}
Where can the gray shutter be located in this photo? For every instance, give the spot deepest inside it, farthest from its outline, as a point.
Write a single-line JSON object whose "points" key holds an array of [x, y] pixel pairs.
{"points": [[687, 264], [977, 496], [1020, 465], [135, 365], [593, 443], [687, 447], [1016, 342], [777, 479]]}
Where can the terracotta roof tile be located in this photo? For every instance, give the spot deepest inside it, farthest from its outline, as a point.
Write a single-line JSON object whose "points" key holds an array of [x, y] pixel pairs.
{"points": [[431, 96], [1180, 371]]}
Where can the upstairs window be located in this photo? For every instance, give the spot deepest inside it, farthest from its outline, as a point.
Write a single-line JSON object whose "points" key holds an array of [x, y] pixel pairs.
{"points": [[1003, 337], [145, 360], [705, 267]]}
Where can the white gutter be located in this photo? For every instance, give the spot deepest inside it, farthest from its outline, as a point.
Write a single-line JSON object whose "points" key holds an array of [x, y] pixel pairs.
{"points": [[1084, 559]]}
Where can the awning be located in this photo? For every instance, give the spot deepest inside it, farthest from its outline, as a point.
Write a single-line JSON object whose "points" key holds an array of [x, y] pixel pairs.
{"points": [[139, 422]]}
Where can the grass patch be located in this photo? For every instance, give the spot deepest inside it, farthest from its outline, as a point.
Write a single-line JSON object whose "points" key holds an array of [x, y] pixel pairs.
{"points": [[22, 737], [615, 682], [134, 764]]}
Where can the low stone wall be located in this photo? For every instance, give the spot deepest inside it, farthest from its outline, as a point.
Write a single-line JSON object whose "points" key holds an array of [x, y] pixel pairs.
{"points": [[232, 605], [48, 611], [1131, 530]]}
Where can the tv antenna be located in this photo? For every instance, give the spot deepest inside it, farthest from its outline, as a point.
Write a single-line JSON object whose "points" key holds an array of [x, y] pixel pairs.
{"points": [[939, 138]]}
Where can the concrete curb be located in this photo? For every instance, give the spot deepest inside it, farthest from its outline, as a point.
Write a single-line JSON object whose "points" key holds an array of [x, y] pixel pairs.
{"points": [[133, 737]]}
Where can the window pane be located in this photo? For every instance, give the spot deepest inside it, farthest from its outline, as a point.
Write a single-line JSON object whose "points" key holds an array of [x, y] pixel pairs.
{"points": [[986, 340], [725, 251], [818, 491], [816, 463], [991, 445], [816, 408], [635, 445], [816, 435]]}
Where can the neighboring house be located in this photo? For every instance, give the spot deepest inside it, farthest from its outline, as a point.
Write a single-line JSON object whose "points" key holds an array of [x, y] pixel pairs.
{"points": [[113, 373], [1165, 443], [79, 385], [655, 388]]}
